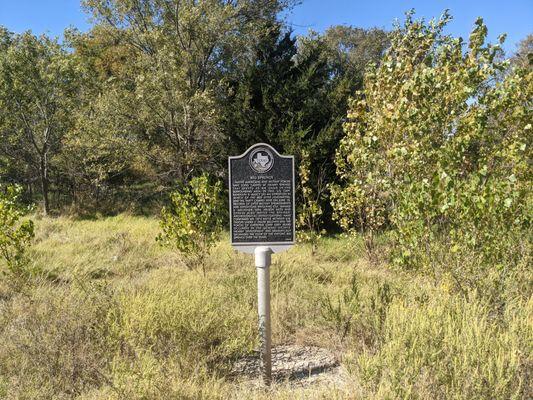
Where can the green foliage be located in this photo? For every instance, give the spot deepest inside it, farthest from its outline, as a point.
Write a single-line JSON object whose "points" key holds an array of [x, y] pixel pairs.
{"points": [[309, 220], [294, 93], [194, 220], [173, 61], [15, 235], [158, 90], [38, 86], [438, 145], [98, 153]]}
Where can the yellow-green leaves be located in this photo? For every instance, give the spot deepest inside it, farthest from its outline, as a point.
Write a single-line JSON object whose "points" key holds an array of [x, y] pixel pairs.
{"points": [[193, 221], [15, 234], [430, 146], [310, 213]]}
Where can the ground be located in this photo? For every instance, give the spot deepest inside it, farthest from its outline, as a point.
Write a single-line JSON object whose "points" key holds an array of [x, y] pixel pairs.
{"points": [[112, 315]]}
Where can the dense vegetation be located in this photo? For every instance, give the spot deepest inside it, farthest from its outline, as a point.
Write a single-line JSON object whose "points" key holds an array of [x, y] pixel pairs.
{"points": [[158, 92], [414, 144], [438, 151]]}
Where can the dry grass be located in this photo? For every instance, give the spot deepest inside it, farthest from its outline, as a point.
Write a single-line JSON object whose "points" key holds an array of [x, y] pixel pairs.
{"points": [[122, 318]]}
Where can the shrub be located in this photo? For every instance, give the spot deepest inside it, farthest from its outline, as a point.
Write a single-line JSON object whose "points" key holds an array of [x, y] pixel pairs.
{"points": [[438, 145], [341, 312], [193, 221], [15, 235], [310, 213]]}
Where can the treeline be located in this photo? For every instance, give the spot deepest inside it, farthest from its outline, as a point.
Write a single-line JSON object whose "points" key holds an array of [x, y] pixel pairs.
{"points": [[158, 92]]}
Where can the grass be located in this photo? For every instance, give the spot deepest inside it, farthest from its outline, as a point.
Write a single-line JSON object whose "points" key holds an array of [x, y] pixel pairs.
{"points": [[123, 318]]}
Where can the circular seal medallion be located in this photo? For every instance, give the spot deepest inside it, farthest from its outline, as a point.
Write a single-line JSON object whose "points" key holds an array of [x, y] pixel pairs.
{"points": [[261, 160]]}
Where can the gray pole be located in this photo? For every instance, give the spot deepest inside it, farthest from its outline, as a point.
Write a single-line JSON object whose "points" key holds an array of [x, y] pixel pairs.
{"points": [[262, 262]]}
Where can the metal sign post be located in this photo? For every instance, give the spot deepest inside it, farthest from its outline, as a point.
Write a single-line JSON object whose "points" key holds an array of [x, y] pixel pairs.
{"points": [[262, 263], [262, 215]]}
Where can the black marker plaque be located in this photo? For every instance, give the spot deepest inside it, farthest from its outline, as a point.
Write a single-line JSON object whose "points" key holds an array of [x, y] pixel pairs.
{"points": [[261, 185]]}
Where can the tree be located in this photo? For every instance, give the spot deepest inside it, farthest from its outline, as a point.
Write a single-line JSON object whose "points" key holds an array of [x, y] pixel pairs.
{"points": [[309, 221], [37, 91], [172, 83], [351, 50], [294, 94], [524, 54], [294, 91], [437, 145], [101, 152]]}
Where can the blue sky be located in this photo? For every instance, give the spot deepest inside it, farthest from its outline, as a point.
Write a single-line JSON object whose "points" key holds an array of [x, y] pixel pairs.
{"points": [[514, 17]]}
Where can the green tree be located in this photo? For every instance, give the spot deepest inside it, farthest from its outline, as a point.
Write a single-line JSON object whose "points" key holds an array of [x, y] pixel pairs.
{"points": [[438, 145], [172, 82], [38, 85], [294, 93], [351, 50], [101, 153], [310, 214], [194, 220]]}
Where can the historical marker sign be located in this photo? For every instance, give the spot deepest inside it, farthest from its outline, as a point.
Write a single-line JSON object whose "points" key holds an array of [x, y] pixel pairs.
{"points": [[261, 197], [261, 183]]}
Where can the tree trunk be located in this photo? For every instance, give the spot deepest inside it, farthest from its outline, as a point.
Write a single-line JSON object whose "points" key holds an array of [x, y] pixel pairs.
{"points": [[43, 172]]}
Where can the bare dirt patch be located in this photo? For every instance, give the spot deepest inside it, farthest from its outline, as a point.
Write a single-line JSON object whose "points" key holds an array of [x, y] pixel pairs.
{"points": [[294, 366]]}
